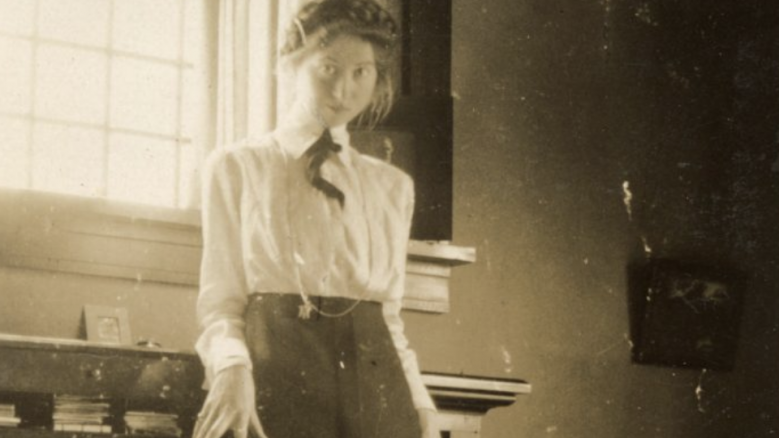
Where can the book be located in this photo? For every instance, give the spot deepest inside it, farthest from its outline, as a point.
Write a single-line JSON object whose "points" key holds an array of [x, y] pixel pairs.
{"points": [[89, 428], [8, 416], [81, 414], [9, 422], [7, 410], [149, 422]]}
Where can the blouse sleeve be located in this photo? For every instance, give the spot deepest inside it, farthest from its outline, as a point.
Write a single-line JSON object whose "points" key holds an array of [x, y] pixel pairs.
{"points": [[223, 288], [392, 308]]}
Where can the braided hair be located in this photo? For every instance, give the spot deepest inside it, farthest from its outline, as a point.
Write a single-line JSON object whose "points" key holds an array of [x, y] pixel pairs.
{"points": [[320, 22]]}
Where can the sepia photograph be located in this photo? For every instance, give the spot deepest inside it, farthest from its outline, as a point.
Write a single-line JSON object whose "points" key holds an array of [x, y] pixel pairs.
{"points": [[389, 218]]}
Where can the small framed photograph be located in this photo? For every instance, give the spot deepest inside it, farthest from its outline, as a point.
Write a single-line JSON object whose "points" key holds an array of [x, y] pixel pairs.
{"points": [[108, 325], [691, 316]]}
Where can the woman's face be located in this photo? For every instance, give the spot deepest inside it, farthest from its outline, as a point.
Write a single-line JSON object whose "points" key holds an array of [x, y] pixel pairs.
{"points": [[338, 80]]}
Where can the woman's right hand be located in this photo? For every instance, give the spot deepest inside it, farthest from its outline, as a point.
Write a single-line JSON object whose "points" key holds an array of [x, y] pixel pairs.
{"points": [[230, 405]]}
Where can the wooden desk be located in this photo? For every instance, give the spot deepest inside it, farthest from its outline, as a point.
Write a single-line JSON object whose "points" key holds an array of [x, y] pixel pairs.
{"points": [[33, 370]]}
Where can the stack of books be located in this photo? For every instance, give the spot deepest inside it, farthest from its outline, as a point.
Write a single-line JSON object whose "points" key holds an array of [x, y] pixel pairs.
{"points": [[81, 414], [144, 422], [8, 416]]}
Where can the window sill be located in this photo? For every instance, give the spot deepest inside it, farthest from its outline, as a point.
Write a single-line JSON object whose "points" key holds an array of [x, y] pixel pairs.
{"points": [[99, 237], [22, 198], [140, 243]]}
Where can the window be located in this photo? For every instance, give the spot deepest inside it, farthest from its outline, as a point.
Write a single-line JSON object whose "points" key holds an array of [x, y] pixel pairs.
{"points": [[98, 97]]}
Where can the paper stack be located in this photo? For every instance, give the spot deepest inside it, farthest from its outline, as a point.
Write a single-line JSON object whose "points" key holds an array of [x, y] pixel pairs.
{"points": [[80, 414], [8, 416], [145, 422]]}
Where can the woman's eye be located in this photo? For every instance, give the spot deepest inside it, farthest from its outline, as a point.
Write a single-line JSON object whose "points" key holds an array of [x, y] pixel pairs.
{"points": [[328, 69], [362, 72]]}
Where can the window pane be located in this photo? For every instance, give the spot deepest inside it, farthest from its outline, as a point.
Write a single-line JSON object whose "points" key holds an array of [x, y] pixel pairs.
{"points": [[68, 159], [71, 84], [188, 164], [13, 152], [16, 16], [75, 21], [142, 169], [144, 96], [195, 35], [194, 104], [15, 80], [148, 27]]}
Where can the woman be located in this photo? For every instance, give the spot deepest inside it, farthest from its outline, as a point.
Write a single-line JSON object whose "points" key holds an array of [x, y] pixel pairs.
{"points": [[304, 255]]}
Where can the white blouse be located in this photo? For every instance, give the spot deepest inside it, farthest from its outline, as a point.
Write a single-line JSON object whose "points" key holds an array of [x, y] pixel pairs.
{"points": [[267, 229]]}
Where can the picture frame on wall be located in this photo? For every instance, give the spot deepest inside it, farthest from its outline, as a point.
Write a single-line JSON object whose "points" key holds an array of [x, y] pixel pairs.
{"points": [[691, 315], [106, 325]]}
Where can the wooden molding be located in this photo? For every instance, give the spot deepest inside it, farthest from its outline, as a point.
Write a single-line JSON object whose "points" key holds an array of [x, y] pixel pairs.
{"points": [[475, 394], [139, 243], [441, 252]]}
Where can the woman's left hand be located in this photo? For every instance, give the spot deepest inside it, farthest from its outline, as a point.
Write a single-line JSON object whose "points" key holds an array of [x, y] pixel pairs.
{"points": [[428, 419]]}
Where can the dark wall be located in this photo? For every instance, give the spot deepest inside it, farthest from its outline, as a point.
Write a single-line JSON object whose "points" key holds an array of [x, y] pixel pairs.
{"points": [[558, 105]]}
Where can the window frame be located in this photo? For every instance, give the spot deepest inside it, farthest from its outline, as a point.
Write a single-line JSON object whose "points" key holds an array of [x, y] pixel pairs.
{"points": [[182, 195]]}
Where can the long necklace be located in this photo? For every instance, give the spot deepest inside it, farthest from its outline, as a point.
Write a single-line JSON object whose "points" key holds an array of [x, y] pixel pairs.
{"points": [[305, 310]]}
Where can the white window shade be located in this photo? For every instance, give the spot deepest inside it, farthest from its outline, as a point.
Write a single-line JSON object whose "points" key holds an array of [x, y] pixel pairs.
{"points": [[69, 159], [16, 82], [70, 84], [98, 97]]}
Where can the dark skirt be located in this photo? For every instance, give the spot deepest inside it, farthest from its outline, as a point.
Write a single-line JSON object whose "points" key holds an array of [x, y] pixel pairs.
{"points": [[327, 377]]}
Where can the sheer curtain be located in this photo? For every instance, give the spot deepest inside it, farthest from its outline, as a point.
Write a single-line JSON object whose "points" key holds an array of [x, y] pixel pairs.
{"points": [[250, 96]]}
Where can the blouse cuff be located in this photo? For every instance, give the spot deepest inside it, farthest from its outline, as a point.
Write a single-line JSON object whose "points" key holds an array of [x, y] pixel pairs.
{"points": [[229, 352], [221, 353]]}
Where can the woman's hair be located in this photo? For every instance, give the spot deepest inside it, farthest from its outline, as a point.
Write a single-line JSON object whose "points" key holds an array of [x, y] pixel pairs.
{"points": [[320, 22]]}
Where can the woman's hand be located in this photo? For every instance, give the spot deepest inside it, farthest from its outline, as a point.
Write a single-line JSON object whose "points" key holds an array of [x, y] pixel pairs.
{"points": [[230, 405], [428, 419]]}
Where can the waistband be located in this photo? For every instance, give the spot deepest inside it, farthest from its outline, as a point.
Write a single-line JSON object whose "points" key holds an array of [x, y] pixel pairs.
{"points": [[289, 304]]}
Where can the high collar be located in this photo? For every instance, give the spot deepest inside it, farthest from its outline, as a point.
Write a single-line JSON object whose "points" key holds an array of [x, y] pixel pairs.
{"points": [[300, 128]]}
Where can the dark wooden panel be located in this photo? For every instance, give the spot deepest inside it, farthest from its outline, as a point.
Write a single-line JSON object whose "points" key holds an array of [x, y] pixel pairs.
{"points": [[100, 372], [424, 111], [8, 432], [429, 47], [428, 119]]}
